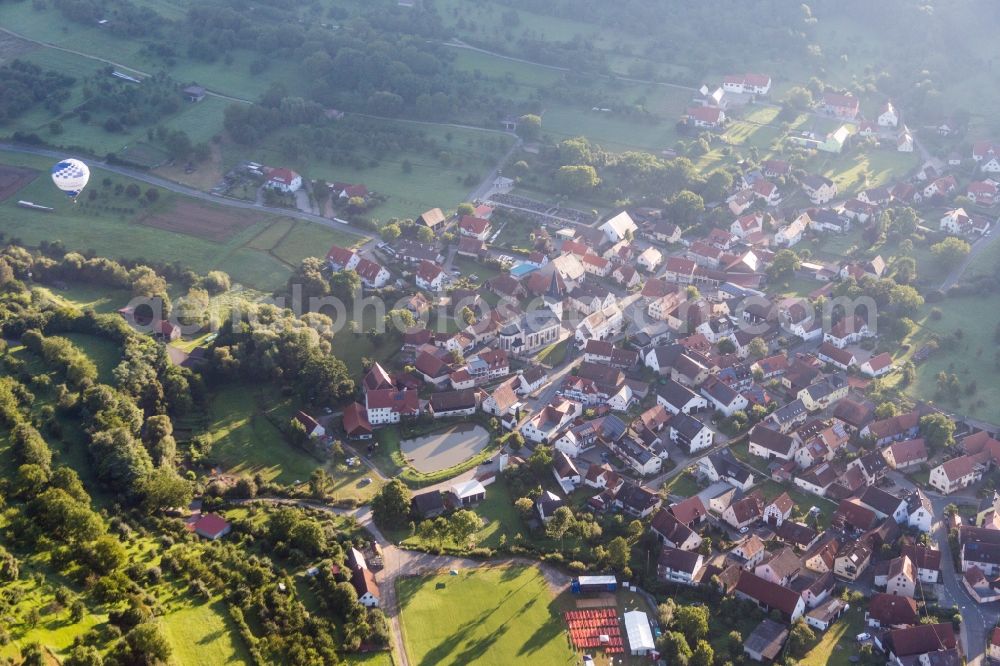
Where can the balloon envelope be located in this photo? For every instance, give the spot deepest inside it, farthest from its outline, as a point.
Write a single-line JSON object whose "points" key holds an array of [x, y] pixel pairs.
{"points": [[71, 176]]}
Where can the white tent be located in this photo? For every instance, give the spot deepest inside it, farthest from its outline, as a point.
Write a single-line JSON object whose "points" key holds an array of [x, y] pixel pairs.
{"points": [[640, 638]]}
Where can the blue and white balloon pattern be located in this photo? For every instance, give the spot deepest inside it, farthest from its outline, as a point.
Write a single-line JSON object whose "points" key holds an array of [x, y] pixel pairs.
{"points": [[71, 176]]}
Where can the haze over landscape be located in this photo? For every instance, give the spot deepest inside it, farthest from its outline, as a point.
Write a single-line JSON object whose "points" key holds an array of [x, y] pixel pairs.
{"points": [[427, 332]]}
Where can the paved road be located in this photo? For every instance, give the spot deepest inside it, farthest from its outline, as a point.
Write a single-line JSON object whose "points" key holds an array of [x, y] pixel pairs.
{"points": [[978, 247], [171, 186], [398, 562], [116, 65], [977, 619], [459, 44]]}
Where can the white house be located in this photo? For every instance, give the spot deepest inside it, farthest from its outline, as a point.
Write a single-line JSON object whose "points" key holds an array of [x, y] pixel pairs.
{"points": [[819, 189], [887, 116], [679, 566], [619, 227], [791, 234], [429, 276], [372, 274], [691, 433], [600, 325], [723, 397], [955, 474], [878, 365], [676, 398], [650, 259], [283, 180]]}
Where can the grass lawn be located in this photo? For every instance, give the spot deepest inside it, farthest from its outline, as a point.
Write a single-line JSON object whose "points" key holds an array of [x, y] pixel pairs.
{"points": [[495, 615], [351, 346], [613, 132], [470, 266], [311, 240], [803, 500], [104, 353], [244, 441], [555, 353], [682, 485], [113, 233], [430, 183], [986, 261], [881, 167], [370, 659], [837, 644], [202, 633], [972, 358], [87, 297], [499, 514]]}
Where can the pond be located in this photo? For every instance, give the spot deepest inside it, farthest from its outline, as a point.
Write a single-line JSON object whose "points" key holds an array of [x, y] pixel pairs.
{"points": [[445, 448]]}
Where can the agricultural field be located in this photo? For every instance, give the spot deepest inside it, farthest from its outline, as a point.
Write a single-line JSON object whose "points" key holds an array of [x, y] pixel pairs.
{"points": [[174, 228], [495, 616], [235, 79], [200, 121], [413, 182]]}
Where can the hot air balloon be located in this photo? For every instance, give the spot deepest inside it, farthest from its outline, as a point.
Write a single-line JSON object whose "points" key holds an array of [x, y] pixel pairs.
{"points": [[71, 176]]}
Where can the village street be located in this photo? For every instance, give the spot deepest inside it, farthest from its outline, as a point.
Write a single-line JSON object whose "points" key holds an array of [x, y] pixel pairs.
{"points": [[977, 619]]}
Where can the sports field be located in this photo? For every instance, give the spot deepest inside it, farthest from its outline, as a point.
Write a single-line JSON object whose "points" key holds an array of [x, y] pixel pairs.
{"points": [[487, 615]]}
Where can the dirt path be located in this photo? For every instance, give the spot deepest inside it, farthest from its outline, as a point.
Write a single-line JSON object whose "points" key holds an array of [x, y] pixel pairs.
{"points": [[398, 563], [978, 247]]}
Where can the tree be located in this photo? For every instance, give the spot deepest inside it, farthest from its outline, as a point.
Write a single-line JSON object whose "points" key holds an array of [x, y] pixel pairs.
{"points": [[152, 195], [726, 346], [468, 316], [798, 98], [344, 284], [676, 648], [703, 655], [465, 209], [540, 460], [9, 568], [572, 179], [692, 621], [158, 436], [800, 638], [757, 348], [525, 507], [145, 645], [84, 655], [390, 232], [938, 430], [665, 612], [905, 270], [106, 554], [785, 263], [685, 208], [307, 535], [163, 488], [561, 522], [391, 505], [529, 127], [619, 553], [717, 185], [463, 524], [216, 282], [951, 250], [425, 234]]}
